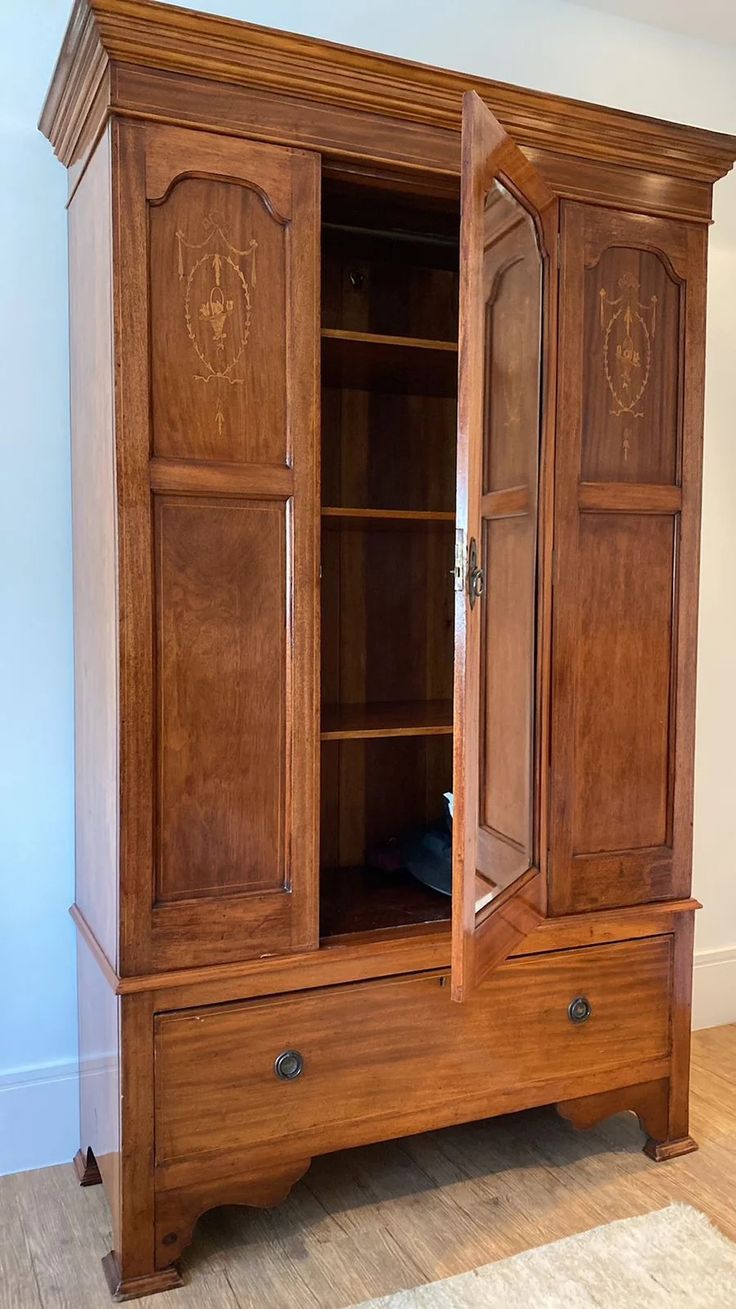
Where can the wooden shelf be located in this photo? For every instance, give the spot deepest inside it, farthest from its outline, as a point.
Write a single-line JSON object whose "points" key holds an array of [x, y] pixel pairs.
{"points": [[370, 900], [350, 722], [389, 519], [395, 364]]}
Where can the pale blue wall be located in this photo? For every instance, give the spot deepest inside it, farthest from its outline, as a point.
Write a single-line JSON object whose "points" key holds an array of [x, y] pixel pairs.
{"points": [[550, 44], [37, 985]]}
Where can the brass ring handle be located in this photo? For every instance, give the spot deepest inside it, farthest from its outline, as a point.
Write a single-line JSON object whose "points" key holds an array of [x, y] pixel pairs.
{"points": [[289, 1065], [579, 1009]]}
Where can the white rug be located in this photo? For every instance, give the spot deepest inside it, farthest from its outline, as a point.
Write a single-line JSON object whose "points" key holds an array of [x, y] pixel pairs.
{"points": [[674, 1257]]}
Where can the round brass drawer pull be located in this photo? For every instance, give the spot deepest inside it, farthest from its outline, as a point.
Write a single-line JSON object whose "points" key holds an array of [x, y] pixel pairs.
{"points": [[579, 1009], [288, 1065]]}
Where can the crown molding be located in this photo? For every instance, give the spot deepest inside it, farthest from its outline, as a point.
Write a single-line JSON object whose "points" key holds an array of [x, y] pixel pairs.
{"points": [[164, 37]]}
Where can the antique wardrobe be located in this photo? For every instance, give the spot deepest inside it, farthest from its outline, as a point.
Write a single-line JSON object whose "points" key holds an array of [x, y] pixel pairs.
{"points": [[387, 392]]}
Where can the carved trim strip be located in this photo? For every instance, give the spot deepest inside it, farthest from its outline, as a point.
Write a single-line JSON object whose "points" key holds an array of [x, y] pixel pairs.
{"points": [[157, 36]]}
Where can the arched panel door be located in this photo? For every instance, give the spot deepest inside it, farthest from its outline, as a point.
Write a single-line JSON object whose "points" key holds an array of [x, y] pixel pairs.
{"points": [[506, 406], [628, 519], [217, 435]]}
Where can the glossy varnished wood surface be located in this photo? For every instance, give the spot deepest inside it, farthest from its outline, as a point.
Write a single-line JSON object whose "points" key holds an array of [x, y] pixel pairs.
{"points": [[208, 122], [215, 1067], [95, 544], [369, 1221], [392, 718], [377, 954], [222, 707], [490, 155], [126, 55], [235, 468], [627, 505]]}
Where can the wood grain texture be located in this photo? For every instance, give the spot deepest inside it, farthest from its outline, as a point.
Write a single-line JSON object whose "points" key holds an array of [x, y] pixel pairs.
{"points": [[172, 40], [218, 309], [377, 955], [648, 1100], [218, 653], [410, 718], [626, 498], [123, 1288], [501, 649], [387, 607], [222, 730], [377, 789], [631, 364], [215, 1068], [363, 902], [435, 1194], [208, 124], [363, 361], [623, 663], [635, 614], [95, 544], [99, 1076]]}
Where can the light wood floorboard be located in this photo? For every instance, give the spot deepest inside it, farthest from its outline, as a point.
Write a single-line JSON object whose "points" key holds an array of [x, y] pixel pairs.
{"points": [[366, 1222]]}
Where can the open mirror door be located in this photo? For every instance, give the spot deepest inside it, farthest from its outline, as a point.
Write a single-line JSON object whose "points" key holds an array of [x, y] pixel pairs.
{"points": [[508, 286]]}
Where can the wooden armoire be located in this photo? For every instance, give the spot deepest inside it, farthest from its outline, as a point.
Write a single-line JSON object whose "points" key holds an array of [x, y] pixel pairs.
{"points": [[387, 399]]}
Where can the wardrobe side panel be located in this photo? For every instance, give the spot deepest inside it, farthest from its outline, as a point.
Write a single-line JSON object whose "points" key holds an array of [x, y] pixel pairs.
{"points": [[99, 1072], [94, 531]]}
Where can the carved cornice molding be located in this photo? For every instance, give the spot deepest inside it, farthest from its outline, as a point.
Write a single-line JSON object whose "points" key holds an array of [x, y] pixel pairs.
{"points": [[163, 37]]}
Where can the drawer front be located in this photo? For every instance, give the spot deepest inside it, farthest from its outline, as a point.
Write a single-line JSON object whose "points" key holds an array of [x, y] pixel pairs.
{"points": [[380, 1050]]}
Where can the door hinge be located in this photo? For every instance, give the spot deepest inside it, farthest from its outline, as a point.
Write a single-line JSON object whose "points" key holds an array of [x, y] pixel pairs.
{"points": [[459, 569]]}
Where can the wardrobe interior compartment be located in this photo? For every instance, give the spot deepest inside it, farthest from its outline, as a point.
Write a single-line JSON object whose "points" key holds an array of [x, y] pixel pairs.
{"points": [[389, 399]]}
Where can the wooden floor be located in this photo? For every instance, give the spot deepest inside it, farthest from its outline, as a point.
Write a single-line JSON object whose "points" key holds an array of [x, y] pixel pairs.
{"points": [[366, 1222]]}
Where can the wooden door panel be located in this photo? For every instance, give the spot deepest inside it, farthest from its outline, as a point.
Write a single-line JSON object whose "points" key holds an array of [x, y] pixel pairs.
{"points": [[218, 276], [219, 562], [512, 270], [627, 499], [622, 667], [507, 759], [222, 706], [631, 363], [508, 231]]}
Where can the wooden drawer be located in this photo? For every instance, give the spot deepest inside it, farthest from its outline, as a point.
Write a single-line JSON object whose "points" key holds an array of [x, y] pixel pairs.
{"points": [[385, 1058]]}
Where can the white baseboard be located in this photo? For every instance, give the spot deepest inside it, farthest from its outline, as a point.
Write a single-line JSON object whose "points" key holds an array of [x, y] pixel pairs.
{"points": [[714, 988], [39, 1116]]}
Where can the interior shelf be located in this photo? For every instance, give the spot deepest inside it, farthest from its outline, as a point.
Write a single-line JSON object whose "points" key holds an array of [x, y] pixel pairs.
{"points": [[360, 721], [391, 518], [368, 360], [368, 900]]}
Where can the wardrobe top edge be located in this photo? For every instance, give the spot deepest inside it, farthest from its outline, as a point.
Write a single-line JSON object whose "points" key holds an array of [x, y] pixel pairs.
{"points": [[171, 39]]}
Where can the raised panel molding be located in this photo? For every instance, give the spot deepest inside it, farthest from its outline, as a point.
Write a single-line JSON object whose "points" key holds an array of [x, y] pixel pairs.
{"points": [[218, 261], [221, 594], [627, 505], [216, 272], [623, 665], [102, 39], [631, 364]]}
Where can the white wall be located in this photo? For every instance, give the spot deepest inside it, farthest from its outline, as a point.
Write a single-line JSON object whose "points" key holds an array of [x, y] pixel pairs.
{"points": [[550, 44], [37, 974]]}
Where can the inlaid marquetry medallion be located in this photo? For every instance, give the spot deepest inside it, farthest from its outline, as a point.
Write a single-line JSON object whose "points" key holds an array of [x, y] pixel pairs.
{"points": [[218, 278], [628, 328]]}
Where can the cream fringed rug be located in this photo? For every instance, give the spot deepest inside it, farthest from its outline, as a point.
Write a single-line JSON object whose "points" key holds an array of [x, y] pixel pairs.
{"points": [[674, 1257]]}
